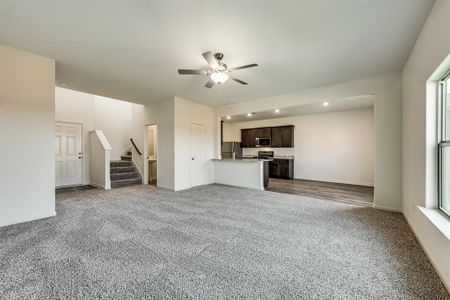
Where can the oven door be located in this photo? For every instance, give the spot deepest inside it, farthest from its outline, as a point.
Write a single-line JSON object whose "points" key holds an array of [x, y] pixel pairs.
{"points": [[263, 142]]}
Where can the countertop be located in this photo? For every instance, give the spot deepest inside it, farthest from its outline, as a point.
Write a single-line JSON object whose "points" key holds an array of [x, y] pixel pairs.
{"points": [[275, 157], [241, 160], [283, 157]]}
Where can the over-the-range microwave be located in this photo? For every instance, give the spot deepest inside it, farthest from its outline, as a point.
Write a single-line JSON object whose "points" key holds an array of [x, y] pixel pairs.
{"points": [[263, 142]]}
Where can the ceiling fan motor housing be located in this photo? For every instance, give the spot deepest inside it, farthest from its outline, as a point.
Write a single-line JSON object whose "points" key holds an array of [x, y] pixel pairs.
{"points": [[217, 70], [218, 56]]}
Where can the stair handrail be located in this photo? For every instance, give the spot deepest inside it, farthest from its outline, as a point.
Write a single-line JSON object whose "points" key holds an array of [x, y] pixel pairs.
{"points": [[135, 147]]}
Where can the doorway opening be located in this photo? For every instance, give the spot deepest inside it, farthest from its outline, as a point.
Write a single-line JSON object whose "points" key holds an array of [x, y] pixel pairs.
{"points": [[323, 150], [151, 155]]}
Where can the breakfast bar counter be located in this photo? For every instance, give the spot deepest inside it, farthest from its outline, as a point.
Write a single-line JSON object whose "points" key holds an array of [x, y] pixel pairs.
{"points": [[246, 173]]}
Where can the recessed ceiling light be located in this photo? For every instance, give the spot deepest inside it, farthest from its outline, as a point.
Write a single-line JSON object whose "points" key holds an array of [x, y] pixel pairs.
{"points": [[325, 104], [277, 110], [228, 117], [249, 114]]}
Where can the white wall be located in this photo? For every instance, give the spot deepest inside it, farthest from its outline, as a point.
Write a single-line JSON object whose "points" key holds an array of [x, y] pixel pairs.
{"points": [[100, 152], [161, 114], [27, 142], [419, 134], [186, 114], [111, 116], [174, 118], [334, 147], [387, 123]]}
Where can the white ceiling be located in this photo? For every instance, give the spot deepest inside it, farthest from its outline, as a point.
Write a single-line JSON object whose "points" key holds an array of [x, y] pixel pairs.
{"points": [[131, 50], [334, 105]]}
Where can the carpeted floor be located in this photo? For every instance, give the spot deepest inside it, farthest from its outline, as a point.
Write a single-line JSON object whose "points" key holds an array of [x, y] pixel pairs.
{"points": [[212, 242]]}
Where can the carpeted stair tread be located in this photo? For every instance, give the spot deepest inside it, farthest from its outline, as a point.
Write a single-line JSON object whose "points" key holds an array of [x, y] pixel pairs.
{"points": [[121, 163], [122, 169], [125, 182], [124, 175]]}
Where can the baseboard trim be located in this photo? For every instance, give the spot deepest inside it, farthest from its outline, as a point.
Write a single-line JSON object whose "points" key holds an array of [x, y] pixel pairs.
{"points": [[359, 183], [97, 185], [34, 218], [164, 187], [380, 207]]}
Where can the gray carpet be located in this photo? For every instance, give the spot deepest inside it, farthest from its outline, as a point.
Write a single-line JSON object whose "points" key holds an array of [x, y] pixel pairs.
{"points": [[213, 242]]}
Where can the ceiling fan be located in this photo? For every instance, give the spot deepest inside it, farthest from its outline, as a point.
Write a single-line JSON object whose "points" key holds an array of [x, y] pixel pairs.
{"points": [[218, 71]]}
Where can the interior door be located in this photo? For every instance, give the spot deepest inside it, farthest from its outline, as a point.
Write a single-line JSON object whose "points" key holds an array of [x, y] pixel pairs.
{"points": [[198, 160], [68, 154]]}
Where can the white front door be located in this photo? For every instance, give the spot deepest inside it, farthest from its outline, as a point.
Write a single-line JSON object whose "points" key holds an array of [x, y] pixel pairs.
{"points": [[197, 154], [68, 154]]}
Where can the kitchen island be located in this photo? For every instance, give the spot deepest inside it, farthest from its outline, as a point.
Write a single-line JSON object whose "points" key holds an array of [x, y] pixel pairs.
{"points": [[241, 172]]}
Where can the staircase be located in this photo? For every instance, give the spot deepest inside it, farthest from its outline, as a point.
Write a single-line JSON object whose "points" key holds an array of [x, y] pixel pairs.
{"points": [[124, 173]]}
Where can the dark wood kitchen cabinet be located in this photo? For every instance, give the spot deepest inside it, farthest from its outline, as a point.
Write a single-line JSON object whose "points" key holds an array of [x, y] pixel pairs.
{"points": [[283, 137], [248, 136], [244, 138], [264, 132], [251, 138], [281, 168]]}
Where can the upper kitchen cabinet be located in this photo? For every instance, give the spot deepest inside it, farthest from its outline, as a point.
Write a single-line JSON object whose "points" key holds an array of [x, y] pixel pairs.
{"points": [[251, 138], [248, 138], [264, 132], [244, 138], [283, 136]]}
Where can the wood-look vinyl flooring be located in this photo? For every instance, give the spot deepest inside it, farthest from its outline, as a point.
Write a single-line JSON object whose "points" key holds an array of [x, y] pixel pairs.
{"points": [[346, 193]]}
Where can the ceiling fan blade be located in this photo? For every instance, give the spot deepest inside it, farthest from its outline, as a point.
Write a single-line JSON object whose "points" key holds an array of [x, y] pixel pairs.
{"points": [[238, 80], [210, 59], [242, 67], [210, 84], [191, 72]]}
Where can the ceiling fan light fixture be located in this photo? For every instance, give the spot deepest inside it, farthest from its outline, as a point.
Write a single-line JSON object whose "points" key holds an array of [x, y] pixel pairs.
{"points": [[219, 77]]}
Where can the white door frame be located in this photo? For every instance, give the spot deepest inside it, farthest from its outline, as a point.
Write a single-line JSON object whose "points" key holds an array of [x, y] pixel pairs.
{"points": [[82, 152], [145, 154]]}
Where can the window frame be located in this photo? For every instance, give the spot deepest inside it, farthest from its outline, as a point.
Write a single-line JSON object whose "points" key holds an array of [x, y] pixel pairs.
{"points": [[443, 139]]}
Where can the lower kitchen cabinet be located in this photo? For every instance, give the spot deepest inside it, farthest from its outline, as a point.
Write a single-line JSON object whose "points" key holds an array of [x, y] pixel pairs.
{"points": [[281, 168]]}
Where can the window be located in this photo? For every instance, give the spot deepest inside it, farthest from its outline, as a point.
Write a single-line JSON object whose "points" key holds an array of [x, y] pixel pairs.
{"points": [[444, 144]]}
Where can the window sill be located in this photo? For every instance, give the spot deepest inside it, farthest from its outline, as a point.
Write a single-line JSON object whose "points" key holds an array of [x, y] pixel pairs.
{"points": [[438, 220]]}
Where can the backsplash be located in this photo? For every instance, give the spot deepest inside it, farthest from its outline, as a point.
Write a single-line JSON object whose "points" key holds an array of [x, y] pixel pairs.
{"points": [[277, 151]]}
